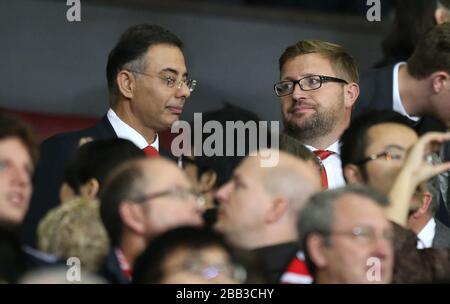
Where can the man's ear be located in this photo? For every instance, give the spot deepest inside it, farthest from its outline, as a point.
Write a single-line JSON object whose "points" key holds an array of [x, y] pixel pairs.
{"points": [[353, 174], [315, 244], [438, 81], [207, 181], [126, 82], [90, 189], [427, 199], [278, 208], [132, 217], [351, 93]]}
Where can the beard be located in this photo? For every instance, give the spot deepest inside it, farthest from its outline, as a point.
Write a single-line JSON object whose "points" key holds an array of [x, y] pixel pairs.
{"points": [[318, 124]]}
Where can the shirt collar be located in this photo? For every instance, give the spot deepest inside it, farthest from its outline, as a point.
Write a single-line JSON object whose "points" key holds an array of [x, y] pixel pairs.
{"points": [[126, 132], [397, 102], [426, 235], [333, 148]]}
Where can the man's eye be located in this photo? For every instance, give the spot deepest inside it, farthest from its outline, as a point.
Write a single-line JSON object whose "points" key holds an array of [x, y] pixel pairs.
{"points": [[313, 81], [170, 80]]}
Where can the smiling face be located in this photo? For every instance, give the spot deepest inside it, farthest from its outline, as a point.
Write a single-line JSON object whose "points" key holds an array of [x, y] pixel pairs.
{"points": [[315, 113], [154, 104], [15, 181]]}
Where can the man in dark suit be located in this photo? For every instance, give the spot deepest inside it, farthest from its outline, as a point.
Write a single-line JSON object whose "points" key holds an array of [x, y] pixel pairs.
{"points": [[148, 86], [418, 89]]}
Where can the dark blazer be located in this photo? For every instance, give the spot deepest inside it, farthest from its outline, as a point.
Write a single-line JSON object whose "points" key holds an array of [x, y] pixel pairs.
{"points": [[441, 236], [110, 270], [49, 173]]}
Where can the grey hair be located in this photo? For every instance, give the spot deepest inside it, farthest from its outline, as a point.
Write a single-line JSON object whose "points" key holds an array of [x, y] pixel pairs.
{"points": [[318, 214]]}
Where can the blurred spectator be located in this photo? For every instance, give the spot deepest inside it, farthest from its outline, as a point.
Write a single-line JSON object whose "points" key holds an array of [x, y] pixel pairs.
{"points": [[86, 172], [412, 20], [209, 172], [189, 255], [137, 204], [346, 237], [258, 208], [74, 229]]}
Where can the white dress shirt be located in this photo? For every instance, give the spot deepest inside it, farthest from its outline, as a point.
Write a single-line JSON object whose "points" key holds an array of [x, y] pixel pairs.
{"points": [[397, 101], [426, 235], [126, 132], [333, 166]]}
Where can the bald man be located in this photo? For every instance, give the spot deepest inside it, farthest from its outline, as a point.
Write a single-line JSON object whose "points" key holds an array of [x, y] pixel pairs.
{"points": [[259, 207], [137, 205]]}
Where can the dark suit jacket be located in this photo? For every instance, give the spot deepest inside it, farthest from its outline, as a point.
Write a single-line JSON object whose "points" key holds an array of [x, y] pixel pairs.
{"points": [[441, 236], [110, 269], [49, 173], [376, 88]]}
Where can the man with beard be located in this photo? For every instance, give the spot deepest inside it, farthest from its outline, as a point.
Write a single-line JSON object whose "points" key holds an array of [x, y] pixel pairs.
{"points": [[318, 87]]}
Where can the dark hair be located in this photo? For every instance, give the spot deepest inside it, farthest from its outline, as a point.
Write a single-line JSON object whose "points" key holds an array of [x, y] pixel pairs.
{"points": [[148, 268], [13, 127], [412, 20], [341, 61], [132, 47], [354, 140], [97, 159], [124, 183], [432, 53], [224, 165]]}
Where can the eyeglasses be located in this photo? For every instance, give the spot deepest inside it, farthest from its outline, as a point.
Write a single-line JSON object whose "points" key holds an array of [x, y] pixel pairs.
{"points": [[386, 155], [178, 193], [171, 81], [366, 234], [307, 83], [211, 271]]}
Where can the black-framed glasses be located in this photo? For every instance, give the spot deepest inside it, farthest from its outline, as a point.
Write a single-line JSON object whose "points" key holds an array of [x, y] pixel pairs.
{"points": [[171, 81], [308, 83], [366, 234], [386, 155], [178, 193]]}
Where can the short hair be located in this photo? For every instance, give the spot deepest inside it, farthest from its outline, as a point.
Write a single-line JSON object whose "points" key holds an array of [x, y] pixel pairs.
{"points": [[97, 159], [124, 183], [12, 127], [74, 229], [131, 50], [354, 141], [341, 61], [148, 267], [318, 214], [294, 147], [432, 53]]}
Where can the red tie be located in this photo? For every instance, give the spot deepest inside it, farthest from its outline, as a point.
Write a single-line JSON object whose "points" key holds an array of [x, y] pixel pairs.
{"points": [[151, 152], [322, 155]]}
